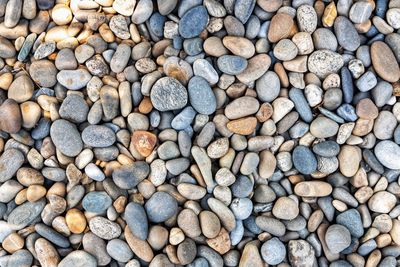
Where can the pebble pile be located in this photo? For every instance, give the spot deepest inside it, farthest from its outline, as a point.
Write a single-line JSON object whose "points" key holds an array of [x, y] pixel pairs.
{"points": [[201, 133]]}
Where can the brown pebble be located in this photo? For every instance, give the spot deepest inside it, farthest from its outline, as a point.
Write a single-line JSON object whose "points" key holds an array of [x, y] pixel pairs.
{"points": [[13, 242], [10, 116], [35, 192], [244, 126], [366, 109], [313, 189], [144, 142], [281, 27], [221, 243], [384, 62], [76, 221]]}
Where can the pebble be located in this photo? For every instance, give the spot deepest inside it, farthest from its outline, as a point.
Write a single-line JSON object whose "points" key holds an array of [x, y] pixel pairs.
{"points": [[129, 176], [388, 153], [66, 137], [78, 258], [160, 207], [136, 219], [168, 94], [231, 65], [74, 79], [273, 251], [324, 62], [384, 62], [346, 33], [98, 136], [193, 22], [337, 238], [215, 133], [96, 202], [201, 96], [304, 160]]}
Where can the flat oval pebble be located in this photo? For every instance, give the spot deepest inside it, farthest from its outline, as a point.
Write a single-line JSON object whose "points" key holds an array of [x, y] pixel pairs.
{"points": [[98, 136], [96, 202], [384, 62], [78, 258], [232, 65], [66, 137], [388, 153], [346, 33], [193, 22], [201, 96], [304, 160]]}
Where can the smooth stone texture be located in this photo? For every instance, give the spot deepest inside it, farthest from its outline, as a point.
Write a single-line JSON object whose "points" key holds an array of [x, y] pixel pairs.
{"points": [[243, 9], [136, 218], [25, 214], [129, 176], [74, 79], [10, 162], [273, 251], [231, 65], [193, 22], [201, 96], [66, 138], [96, 202], [384, 62], [160, 207], [304, 160], [337, 238], [78, 258], [268, 86], [351, 219], [388, 153], [346, 34], [74, 109], [98, 136]]}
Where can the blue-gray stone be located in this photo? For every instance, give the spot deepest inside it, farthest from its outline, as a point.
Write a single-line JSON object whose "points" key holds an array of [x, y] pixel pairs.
{"points": [[236, 234], [177, 42], [250, 224], [185, 5], [346, 33], [325, 203], [388, 261], [183, 119], [253, 26], [135, 217], [96, 202], [201, 97], [42, 129], [351, 219], [273, 251], [243, 9], [367, 81], [25, 214], [347, 112], [160, 207], [231, 65], [381, 8], [347, 85], [301, 104], [156, 24], [199, 262], [241, 208], [304, 160], [330, 115], [299, 129], [66, 137], [393, 41], [119, 250], [193, 22], [193, 46], [396, 135], [340, 263], [367, 247], [20, 258], [382, 93], [372, 161], [26, 47], [242, 187], [51, 235], [129, 176], [98, 136], [326, 149]]}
